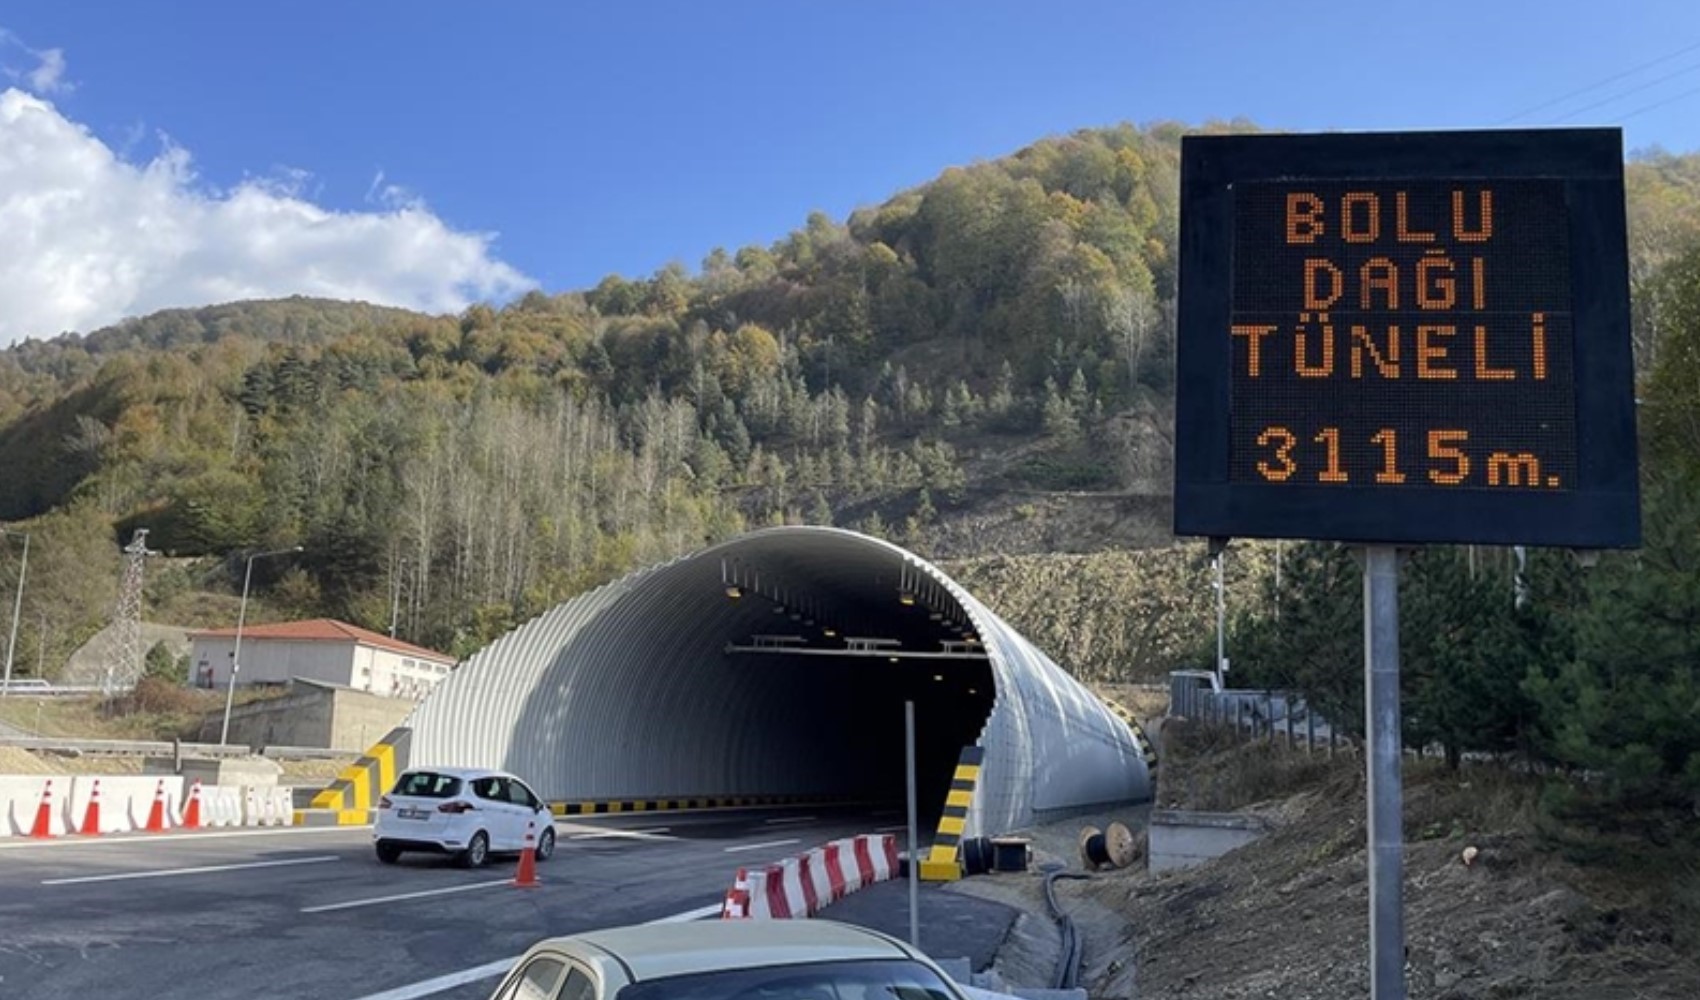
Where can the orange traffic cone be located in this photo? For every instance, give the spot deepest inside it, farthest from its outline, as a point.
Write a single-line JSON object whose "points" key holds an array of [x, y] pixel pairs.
{"points": [[43, 827], [156, 815], [527, 876], [91, 815], [192, 811], [737, 904]]}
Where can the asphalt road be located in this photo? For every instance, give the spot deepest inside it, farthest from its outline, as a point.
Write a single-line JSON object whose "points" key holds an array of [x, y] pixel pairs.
{"points": [[310, 914]]}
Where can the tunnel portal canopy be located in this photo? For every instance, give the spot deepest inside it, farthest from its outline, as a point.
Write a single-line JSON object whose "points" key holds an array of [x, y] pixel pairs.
{"points": [[778, 664]]}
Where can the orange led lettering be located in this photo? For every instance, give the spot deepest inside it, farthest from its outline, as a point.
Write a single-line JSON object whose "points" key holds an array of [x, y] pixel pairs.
{"points": [[1330, 436], [1436, 288], [1483, 372], [1427, 351], [1254, 339], [1283, 454], [1440, 447], [1378, 272], [1301, 356], [1484, 229], [1402, 225], [1372, 217], [1521, 469], [1387, 365], [1336, 284], [1540, 335], [1478, 282], [1304, 217], [1389, 441]]}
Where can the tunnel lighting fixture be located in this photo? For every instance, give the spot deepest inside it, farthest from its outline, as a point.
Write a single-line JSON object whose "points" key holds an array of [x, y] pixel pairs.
{"points": [[938, 677], [894, 659], [972, 691], [830, 633], [937, 616], [733, 591], [906, 599]]}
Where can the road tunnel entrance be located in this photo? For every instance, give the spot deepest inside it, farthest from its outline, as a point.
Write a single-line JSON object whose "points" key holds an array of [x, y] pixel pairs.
{"points": [[778, 665]]}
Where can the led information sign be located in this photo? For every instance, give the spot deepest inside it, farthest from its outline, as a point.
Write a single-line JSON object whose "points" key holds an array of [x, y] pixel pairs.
{"points": [[1406, 338]]}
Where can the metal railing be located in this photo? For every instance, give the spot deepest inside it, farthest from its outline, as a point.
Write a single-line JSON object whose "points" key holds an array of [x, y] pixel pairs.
{"points": [[122, 748], [1253, 714]]}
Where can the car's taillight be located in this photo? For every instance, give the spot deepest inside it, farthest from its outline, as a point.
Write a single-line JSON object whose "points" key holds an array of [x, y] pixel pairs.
{"points": [[456, 807], [385, 803]]}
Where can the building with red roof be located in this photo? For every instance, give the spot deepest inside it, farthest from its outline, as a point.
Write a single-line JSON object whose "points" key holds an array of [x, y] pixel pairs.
{"points": [[320, 649]]}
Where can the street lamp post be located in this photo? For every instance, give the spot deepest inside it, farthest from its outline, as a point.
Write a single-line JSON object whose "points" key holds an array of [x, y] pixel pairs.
{"points": [[236, 656], [17, 609]]}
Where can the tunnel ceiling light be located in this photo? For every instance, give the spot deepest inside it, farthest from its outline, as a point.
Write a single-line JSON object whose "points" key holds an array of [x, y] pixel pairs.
{"points": [[937, 616], [972, 691], [906, 599], [938, 677], [733, 591], [830, 633], [894, 659]]}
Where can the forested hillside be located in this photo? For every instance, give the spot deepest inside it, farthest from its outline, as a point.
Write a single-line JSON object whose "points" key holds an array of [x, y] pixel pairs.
{"points": [[979, 366]]}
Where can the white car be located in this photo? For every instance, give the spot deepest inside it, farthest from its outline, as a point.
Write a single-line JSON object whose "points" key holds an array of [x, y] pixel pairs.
{"points": [[727, 960], [465, 812]]}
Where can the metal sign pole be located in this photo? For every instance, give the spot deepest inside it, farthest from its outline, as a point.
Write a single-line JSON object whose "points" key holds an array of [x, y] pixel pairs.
{"points": [[1382, 738], [914, 858]]}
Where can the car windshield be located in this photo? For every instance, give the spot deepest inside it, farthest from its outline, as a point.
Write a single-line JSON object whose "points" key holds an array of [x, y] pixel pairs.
{"points": [[428, 785], [863, 980]]}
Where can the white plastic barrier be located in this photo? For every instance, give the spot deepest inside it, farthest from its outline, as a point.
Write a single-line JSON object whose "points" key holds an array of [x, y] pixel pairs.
{"points": [[221, 805], [20, 799]]}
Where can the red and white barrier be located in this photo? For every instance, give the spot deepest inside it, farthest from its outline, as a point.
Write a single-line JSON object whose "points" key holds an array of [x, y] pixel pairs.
{"points": [[801, 886]]}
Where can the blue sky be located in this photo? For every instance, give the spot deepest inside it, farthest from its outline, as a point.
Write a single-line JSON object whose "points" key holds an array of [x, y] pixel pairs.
{"points": [[591, 138]]}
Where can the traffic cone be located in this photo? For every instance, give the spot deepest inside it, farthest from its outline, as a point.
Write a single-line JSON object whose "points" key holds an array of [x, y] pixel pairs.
{"points": [[43, 827], [91, 815], [156, 815], [737, 905], [192, 811], [527, 876]]}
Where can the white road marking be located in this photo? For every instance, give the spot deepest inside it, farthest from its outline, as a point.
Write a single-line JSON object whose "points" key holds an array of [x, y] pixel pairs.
{"points": [[791, 819], [491, 970], [171, 838], [629, 834], [169, 872], [425, 988], [689, 915], [351, 904], [758, 847]]}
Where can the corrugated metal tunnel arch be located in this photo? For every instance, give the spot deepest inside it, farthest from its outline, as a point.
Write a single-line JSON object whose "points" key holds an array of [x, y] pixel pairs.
{"points": [[664, 684]]}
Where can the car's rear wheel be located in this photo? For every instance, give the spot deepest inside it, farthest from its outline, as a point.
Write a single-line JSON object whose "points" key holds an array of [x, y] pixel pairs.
{"points": [[389, 854], [546, 844], [477, 851]]}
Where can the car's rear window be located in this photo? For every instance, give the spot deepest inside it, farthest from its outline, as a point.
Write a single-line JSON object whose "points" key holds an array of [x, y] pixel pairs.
{"points": [[428, 785], [895, 979]]}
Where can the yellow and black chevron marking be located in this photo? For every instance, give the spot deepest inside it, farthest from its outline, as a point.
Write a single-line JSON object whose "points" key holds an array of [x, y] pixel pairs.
{"points": [[943, 863], [603, 807], [350, 799], [1147, 749]]}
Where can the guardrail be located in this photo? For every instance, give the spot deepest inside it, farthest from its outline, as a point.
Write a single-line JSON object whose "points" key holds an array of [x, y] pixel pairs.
{"points": [[306, 753], [35, 687], [157, 748]]}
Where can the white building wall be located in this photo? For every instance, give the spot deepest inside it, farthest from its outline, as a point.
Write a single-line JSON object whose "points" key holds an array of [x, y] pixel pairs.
{"points": [[275, 661], [272, 661]]}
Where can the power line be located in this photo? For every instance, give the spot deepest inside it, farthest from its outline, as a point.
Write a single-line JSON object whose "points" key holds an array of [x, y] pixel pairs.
{"points": [[1633, 90], [1660, 104], [1595, 86]]}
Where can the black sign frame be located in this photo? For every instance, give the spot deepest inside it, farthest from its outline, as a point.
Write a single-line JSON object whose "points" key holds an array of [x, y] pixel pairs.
{"points": [[1603, 508]]}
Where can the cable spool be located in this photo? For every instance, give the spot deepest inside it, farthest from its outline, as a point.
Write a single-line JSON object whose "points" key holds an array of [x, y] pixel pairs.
{"points": [[977, 855], [1111, 847]]}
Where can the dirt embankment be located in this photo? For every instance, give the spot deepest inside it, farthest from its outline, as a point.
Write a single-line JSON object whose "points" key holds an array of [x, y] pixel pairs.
{"points": [[1288, 916]]}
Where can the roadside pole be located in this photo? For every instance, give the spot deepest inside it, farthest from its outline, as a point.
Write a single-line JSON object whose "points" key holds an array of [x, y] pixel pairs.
{"points": [[914, 858], [1382, 737]]}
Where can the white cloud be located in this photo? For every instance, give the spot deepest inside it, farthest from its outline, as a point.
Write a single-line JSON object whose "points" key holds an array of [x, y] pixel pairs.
{"points": [[48, 74], [49, 77], [88, 237]]}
